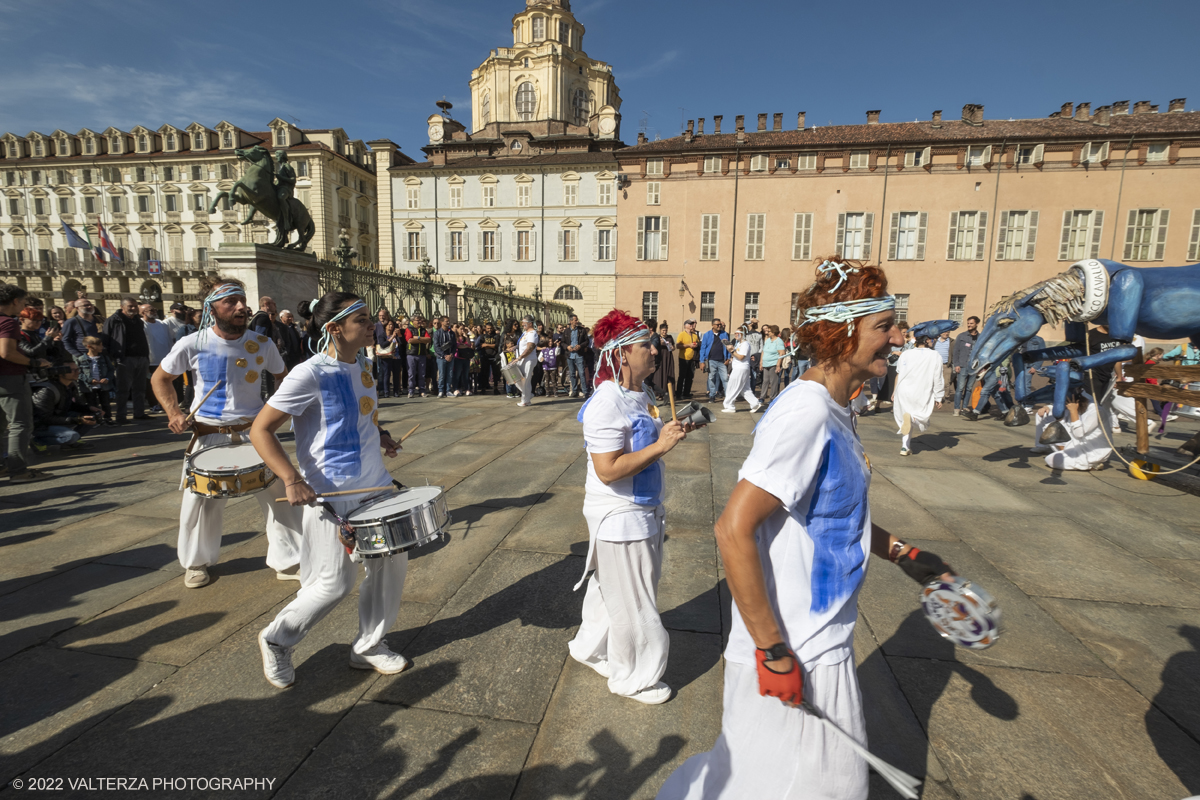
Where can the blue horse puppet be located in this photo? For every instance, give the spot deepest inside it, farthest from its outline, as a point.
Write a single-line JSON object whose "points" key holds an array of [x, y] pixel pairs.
{"points": [[933, 328], [1155, 302]]}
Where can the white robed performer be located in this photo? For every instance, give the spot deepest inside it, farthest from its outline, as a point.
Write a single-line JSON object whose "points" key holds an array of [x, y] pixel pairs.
{"points": [[331, 399], [225, 355], [527, 356], [1088, 447], [622, 637], [739, 375], [794, 538], [919, 389]]}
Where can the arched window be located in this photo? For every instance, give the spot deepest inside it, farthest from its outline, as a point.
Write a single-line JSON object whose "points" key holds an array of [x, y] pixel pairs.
{"points": [[170, 141], [581, 107], [568, 292], [227, 139], [526, 101], [143, 143], [280, 138], [486, 108], [198, 142], [539, 28], [116, 144], [487, 283]]}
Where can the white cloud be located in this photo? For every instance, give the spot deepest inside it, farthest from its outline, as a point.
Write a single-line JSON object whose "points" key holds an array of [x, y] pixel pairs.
{"points": [[71, 96], [637, 73]]}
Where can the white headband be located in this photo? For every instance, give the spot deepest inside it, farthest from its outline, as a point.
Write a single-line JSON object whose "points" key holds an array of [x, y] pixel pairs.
{"points": [[848, 312], [609, 355]]}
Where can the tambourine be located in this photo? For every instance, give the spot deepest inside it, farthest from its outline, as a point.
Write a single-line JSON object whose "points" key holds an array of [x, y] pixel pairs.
{"points": [[962, 612]]}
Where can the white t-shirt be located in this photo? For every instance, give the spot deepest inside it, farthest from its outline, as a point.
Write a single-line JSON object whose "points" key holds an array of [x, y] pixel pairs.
{"points": [[333, 406], [528, 338], [815, 546], [615, 419], [742, 365], [239, 364], [158, 336]]}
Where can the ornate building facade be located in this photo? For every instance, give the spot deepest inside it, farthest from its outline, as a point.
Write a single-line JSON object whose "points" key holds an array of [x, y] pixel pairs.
{"points": [[527, 194], [961, 212], [151, 189]]}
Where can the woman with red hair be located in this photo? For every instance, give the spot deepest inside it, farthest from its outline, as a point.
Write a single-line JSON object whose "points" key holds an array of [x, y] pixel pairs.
{"points": [[622, 637], [794, 539]]}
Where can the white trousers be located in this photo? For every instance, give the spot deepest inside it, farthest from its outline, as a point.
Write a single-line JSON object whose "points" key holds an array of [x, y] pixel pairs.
{"points": [[527, 380], [769, 750], [201, 519], [906, 441], [739, 383], [327, 575], [620, 615]]}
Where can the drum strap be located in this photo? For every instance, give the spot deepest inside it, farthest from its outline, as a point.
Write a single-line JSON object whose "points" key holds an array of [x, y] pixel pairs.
{"points": [[200, 429], [345, 529]]}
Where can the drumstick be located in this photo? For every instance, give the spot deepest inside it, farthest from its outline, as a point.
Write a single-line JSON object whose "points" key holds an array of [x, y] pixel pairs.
{"points": [[188, 419], [900, 780], [410, 433], [671, 395], [345, 491]]}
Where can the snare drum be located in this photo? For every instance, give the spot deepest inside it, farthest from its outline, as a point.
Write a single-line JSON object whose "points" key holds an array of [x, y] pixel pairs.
{"points": [[393, 524], [512, 372], [227, 470]]}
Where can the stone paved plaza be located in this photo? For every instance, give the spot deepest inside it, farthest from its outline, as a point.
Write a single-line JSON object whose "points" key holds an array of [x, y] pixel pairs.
{"points": [[110, 668]]}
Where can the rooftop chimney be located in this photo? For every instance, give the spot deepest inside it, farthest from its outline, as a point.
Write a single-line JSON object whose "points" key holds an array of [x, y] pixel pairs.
{"points": [[1083, 112], [700, 127], [762, 122], [740, 120], [1103, 116], [937, 118], [1120, 107], [717, 123], [800, 121], [1141, 107], [778, 122], [1153, 109], [641, 137], [1178, 104], [691, 127], [872, 117], [1065, 111], [973, 113]]}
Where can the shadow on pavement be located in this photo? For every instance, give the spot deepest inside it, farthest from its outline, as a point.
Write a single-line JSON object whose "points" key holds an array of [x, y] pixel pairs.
{"points": [[1180, 678]]}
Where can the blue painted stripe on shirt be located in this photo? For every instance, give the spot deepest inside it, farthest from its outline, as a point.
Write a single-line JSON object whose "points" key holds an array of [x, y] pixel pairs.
{"points": [[835, 523], [343, 456], [647, 484], [212, 368]]}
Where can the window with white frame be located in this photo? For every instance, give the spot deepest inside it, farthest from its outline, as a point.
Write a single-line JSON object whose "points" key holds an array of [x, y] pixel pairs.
{"points": [[1030, 154], [907, 242], [806, 161], [415, 249], [1146, 234], [568, 292], [343, 206], [486, 108], [710, 236], [413, 196], [978, 155], [859, 159], [564, 33], [489, 196], [227, 139], [198, 173], [968, 235], [1156, 151], [570, 193], [89, 147], [958, 302], [708, 306], [654, 166], [171, 201], [39, 206], [652, 239], [524, 245], [64, 205], [901, 309], [524, 194], [854, 235], [568, 244], [488, 246], [144, 204], [605, 192], [281, 138], [653, 193], [114, 204], [712, 164], [649, 306], [802, 237], [606, 244], [198, 142], [139, 174], [526, 101], [758, 164], [200, 202], [1016, 238], [1094, 152], [456, 196], [1193, 253], [783, 163], [1081, 232], [915, 158], [756, 236], [581, 107], [539, 28], [751, 306], [226, 171], [89, 205], [457, 249]]}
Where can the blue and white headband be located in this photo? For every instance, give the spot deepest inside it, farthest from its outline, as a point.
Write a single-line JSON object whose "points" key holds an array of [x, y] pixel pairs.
{"points": [[220, 292], [838, 267], [327, 335], [609, 352], [847, 312]]}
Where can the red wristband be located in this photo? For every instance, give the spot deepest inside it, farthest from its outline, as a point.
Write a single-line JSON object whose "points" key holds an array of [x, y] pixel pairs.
{"points": [[788, 686]]}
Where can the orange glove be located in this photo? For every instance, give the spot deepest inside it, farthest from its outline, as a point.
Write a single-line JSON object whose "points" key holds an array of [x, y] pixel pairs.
{"points": [[787, 686]]}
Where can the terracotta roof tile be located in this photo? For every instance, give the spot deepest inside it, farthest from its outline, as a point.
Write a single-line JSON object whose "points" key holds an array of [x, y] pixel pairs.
{"points": [[501, 162]]}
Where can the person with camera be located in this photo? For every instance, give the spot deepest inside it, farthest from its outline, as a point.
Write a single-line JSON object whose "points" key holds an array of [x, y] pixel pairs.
{"points": [[127, 344], [16, 399], [35, 343], [60, 414]]}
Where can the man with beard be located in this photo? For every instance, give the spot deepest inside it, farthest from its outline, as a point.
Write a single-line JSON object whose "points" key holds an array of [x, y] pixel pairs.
{"points": [[225, 355]]}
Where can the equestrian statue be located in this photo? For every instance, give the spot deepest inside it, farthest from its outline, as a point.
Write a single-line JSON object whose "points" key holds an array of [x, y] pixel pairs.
{"points": [[1155, 302], [267, 188]]}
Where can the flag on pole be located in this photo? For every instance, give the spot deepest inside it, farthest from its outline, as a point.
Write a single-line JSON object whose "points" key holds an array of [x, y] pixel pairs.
{"points": [[96, 251], [73, 238], [106, 243]]}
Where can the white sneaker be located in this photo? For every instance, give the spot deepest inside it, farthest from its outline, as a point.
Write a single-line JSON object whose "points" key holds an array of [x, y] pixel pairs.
{"points": [[906, 425], [657, 694], [289, 574], [277, 662], [195, 578], [381, 659], [756, 409], [904, 451], [729, 410], [957, 411], [600, 667], [1041, 450]]}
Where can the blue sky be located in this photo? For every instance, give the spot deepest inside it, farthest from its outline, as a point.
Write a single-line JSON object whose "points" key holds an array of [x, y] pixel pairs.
{"points": [[376, 67]]}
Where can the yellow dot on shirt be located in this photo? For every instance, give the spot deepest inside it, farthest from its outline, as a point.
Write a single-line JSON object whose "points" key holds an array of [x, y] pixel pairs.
{"points": [[258, 360], [251, 347], [241, 362], [262, 338], [365, 404], [367, 380], [251, 376]]}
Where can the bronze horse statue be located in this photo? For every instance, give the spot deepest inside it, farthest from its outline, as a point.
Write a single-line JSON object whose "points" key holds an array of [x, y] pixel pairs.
{"points": [[257, 189]]}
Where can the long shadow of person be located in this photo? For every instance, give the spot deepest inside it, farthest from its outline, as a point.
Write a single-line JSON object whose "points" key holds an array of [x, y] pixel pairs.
{"points": [[1177, 705]]}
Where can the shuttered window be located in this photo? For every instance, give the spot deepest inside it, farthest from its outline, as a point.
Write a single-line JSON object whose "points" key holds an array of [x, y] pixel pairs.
{"points": [[415, 251], [802, 237], [710, 236], [906, 239], [806, 161], [859, 159], [654, 166], [571, 194], [488, 245], [456, 196], [712, 163], [756, 236], [413, 195], [525, 246], [1193, 254], [855, 231], [917, 158], [568, 244], [524, 194], [489, 196], [1016, 238], [456, 246], [604, 245], [968, 236], [1146, 234], [1081, 231], [605, 193], [758, 164], [653, 193], [652, 238]]}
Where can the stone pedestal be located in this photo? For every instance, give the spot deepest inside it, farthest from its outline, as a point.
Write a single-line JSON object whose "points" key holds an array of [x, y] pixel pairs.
{"points": [[285, 276]]}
